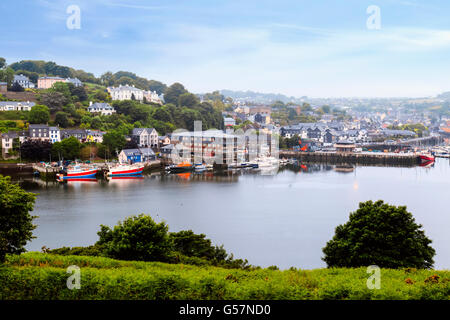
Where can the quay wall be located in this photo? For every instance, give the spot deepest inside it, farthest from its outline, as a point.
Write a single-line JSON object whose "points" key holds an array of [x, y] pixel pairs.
{"points": [[353, 158]]}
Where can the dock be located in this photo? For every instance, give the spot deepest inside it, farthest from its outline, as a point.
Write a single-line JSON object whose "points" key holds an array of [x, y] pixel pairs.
{"points": [[365, 158]]}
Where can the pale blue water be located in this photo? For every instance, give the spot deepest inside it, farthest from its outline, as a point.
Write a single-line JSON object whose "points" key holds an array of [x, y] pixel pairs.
{"points": [[282, 220]]}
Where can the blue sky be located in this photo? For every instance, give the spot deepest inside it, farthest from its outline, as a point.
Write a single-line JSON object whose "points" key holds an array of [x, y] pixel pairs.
{"points": [[318, 48]]}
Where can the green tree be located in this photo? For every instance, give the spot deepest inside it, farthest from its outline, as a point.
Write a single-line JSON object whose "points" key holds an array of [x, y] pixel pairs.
{"points": [[379, 234], [188, 100], [114, 141], [2, 63], [16, 222], [7, 75], [54, 100], [192, 245], [137, 238], [62, 119], [162, 114], [39, 114], [68, 148], [36, 150], [96, 122], [173, 92]]}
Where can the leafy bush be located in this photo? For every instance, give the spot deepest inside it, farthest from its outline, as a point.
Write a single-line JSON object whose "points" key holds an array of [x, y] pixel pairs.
{"points": [[137, 238], [15, 219], [379, 234]]}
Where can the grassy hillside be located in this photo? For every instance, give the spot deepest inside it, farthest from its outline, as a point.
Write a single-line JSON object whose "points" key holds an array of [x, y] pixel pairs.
{"points": [[43, 276]]}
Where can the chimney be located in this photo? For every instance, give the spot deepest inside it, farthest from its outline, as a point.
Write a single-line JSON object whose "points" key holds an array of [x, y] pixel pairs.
{"points": [[90, 103]]}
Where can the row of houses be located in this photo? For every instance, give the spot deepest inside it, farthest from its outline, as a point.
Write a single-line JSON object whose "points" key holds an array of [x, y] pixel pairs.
{"points": [[44, 132], [337, 131], [143, 137], [43, 82]]}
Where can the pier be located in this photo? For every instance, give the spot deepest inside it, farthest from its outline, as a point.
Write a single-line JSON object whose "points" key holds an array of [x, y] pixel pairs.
{"points": [[365, 158]]}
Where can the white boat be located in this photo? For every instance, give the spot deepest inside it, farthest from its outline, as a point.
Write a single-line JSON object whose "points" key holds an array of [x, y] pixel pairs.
{"points": [[125, 170], [267, 162], [199, 167]]}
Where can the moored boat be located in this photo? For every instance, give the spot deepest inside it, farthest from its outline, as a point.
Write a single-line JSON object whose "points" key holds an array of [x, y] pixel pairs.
{"points": [[181, 167], [125, 170], [77, 172], [426, 157]]}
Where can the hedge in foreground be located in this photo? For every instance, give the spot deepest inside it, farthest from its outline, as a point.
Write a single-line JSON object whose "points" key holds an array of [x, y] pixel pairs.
{"points": [[43, 276]]}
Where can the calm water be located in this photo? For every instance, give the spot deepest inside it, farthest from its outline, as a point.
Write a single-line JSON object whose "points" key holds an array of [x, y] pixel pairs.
{"points": [[282, 220]]}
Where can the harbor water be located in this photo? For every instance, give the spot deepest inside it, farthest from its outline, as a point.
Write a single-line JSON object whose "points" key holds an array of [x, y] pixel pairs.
{"points": [[283, 219]]}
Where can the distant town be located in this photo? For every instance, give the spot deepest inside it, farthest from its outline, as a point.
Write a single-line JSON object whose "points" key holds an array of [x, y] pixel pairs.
{"points": [[131, 118]]}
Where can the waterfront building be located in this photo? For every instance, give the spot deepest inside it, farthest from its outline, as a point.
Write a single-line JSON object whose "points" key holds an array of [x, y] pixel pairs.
{"points": [[16, 105], [215, 146], [101, 107], [344, 146], [145, 137], [136, 155]]}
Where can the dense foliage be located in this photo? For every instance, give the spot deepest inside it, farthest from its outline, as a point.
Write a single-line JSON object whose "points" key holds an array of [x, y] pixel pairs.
{"points": [[379, 234], [36, 150], [16, 222], [44, 276]]}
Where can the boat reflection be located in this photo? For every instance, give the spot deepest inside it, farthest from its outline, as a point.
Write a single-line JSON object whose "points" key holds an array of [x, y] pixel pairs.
{"points": [[80, 180], [427, 164]]}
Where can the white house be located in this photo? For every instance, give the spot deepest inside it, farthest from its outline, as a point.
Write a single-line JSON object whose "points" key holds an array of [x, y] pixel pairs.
{"points": [[7, 141], [152, 96], [75, 81], [145, 137], [55, 134], [103, 108], [24, 81], [126, 92], [16, 105]]}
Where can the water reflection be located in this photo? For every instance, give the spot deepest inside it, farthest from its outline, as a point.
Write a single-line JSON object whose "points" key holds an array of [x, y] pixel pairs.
{"points": [[283, 220]]}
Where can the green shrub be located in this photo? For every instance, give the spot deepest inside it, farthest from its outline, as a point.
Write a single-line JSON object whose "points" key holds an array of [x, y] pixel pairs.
{"points": [[379, 234]]}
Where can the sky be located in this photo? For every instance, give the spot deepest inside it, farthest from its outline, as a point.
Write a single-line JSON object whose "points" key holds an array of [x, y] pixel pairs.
{"points": [[315, 48]]}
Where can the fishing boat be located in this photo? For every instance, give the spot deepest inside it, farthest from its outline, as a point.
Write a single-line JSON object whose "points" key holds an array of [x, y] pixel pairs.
{"points": [[121, 170], [77, 172]]}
